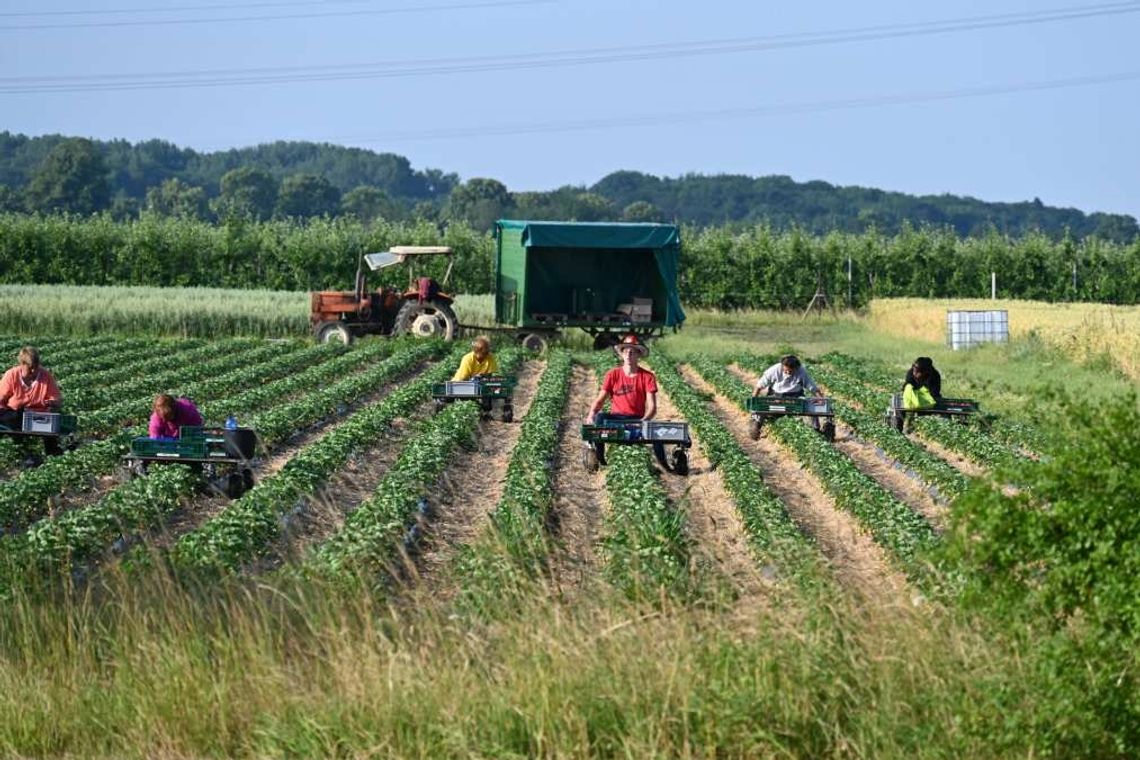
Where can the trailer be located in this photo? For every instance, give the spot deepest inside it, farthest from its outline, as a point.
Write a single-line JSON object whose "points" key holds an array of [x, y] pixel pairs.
{"points": [[764, 408], [486, 390], [608, 279], [960, 409], [222, 456]]}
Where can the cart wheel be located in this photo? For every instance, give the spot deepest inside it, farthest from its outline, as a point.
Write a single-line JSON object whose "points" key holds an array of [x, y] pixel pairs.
{"points": [[828, 431], [754, 427], [895, 420], [235, 486], [247, 478], [438, 406], [589, 459], [680, 462], [507, 413]]}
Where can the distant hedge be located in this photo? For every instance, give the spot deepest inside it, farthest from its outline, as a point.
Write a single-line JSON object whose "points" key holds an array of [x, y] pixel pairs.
{"points": [[760, 268]]}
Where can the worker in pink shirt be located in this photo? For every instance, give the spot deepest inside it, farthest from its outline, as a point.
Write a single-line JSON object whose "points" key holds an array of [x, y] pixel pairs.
{"points": [[170, 414], [29, 387]]}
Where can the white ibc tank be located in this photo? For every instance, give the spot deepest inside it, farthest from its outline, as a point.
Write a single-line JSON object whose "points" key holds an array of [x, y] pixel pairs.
{"points": [[971, 328]]}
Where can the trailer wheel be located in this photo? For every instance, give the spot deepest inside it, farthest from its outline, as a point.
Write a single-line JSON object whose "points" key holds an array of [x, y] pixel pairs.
{"points": [[247, 480], [430, 319], [589, 459], [828, 431], [329, 332], [680, 462], [534, 342], [754, 427], [234, 485], [895, 420], [604, 340]]}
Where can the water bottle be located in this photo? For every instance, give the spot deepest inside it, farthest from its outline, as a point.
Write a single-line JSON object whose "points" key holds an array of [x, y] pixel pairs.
{"points": [[231, 423]]}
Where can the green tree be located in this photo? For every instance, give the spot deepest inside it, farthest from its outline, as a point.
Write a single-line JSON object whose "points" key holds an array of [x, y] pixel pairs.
{"points": [[307, 195], [479, 202], [367, 203], [72, 178], [178, 199], [641, 211], [247, 191], [10, 200]]}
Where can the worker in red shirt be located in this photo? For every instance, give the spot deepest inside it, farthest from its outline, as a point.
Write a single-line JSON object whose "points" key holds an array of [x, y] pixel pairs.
{"points": [[632, 391], [29, 387]]}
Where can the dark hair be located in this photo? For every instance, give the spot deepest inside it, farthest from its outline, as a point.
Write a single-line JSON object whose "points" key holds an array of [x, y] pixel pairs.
{"points": [[924, 365], [791, 361]]}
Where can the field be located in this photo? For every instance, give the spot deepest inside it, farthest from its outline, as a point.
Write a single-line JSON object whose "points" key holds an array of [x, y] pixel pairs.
{"points": [[405, 583]]}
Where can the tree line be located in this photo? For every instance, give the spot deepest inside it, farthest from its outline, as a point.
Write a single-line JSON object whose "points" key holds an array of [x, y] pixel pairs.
{"points": [[300, 180], [721, 267]]}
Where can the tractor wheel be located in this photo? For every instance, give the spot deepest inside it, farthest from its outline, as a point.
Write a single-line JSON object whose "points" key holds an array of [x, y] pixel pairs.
{"points": [[828, 431], [431, 319], [589, 459], [329, 332], [605, 340], [754, 427], [534, 342], [680, 462]]}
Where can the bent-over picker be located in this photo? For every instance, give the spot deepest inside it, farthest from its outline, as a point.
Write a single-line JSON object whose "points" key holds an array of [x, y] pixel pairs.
{"points": [[485, 389], [639, 432], [221, 455], [960, 409], [763, 408]]}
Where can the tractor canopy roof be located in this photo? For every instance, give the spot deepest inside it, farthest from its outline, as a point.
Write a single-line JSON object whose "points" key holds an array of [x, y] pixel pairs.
{"points": [[399, 253]]}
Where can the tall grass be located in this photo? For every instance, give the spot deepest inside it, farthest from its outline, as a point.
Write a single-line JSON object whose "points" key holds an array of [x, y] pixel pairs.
{"points": [[151, 668]]}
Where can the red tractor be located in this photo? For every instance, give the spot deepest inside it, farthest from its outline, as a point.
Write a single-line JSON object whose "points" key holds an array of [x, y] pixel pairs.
{"points": [[422, 309]]}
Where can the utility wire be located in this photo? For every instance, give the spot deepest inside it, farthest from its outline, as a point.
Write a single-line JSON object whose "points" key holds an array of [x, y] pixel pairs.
{"points": [[525, 61], [276, 17], [179, 8], [727, 114]]}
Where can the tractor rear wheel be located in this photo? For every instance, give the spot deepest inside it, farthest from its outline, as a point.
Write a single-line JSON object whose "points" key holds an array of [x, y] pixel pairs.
{"points": [[430, 319], [329, 332]]}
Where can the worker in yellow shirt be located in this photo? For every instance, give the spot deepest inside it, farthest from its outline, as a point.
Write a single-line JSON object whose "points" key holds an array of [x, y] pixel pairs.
{"points": [[479, 361]]}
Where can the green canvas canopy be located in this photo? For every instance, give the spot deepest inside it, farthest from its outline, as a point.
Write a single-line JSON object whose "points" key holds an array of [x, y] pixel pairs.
{"points": [[571, 272]]}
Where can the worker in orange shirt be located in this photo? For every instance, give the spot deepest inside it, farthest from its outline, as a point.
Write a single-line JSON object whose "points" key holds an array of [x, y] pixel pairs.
{"points": [[29, 387]]}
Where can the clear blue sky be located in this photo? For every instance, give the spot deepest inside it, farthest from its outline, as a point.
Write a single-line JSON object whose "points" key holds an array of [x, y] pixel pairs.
{"points": [[536, 126]]}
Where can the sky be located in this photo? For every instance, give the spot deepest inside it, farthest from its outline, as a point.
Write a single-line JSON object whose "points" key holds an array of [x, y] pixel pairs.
{"points": [[999, 100]]}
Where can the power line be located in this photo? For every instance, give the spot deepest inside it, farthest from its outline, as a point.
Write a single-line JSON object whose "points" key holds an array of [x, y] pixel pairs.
{"points": [[179, 8], [277, 17], [524, 61], [726, 114]]}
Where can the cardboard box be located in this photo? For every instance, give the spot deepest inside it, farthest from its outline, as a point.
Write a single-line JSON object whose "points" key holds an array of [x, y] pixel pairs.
{"points": [[41, 422]]}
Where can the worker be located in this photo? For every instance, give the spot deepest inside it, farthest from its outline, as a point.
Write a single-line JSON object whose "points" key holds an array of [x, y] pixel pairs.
{"points": [[29, 387], [922, 387], [479, 361], [170, 414], [787, 378], [632, 391]]}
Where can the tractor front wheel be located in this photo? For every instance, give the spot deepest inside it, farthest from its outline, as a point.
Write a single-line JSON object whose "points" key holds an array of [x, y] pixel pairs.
{"points": [[329, 332], [429, 319]]}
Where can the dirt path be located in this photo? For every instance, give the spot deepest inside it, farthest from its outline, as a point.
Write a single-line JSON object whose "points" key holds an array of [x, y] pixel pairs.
{"points": [[470, 489], [579, 497], [856, 559], [711, 518]]}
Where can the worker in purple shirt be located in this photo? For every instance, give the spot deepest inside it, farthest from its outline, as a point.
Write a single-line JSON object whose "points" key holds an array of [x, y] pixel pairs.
{"points": [[170, 414]]}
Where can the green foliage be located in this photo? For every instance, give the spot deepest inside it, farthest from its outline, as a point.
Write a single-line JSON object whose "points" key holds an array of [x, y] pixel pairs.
{"points": [[306, 195], [175, 198], [72, 179], [247, 192]]}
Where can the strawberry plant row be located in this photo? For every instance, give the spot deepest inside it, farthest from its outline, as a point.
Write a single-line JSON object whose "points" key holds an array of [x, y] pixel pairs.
{"points": [[82, 359], [645, 546], [87, 531], [774, 537], [26, 497], [246, 528], [375, 530], [892, 524], [519, 519]]}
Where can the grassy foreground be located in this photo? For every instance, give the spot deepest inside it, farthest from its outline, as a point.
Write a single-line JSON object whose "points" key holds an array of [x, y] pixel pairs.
{"points": [[153, 669]]}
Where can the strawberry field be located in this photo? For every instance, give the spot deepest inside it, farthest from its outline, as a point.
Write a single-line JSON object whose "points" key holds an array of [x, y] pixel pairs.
{"points": [[872, 549]]}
